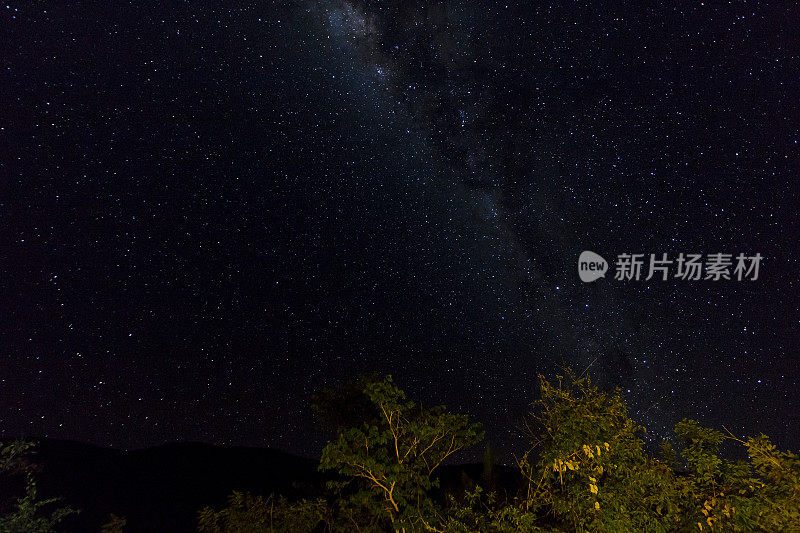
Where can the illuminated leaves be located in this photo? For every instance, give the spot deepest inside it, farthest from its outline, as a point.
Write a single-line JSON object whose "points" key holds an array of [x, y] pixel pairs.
{"points": [[590, 454], [394, 456]]}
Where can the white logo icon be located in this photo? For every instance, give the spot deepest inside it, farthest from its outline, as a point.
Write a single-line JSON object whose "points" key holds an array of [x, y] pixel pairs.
{"points": [[591, 266]]}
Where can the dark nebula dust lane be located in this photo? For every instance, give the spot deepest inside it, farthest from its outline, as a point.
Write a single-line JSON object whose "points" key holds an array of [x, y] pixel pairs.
{"points": [[210, 212]]}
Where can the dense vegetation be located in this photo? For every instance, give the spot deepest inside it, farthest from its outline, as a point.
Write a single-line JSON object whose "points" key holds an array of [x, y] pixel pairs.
{"points": [[587, 469]]}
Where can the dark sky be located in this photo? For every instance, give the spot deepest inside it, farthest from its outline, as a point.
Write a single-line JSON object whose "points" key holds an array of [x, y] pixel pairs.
{"points": [[211, 210]]}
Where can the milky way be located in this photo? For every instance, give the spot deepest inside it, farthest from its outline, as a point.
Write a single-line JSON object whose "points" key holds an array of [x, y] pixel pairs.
{"points": [[213, 212]]}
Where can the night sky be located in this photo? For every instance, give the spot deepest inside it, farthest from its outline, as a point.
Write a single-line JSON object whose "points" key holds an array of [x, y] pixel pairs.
{"points": [[209, 211]]}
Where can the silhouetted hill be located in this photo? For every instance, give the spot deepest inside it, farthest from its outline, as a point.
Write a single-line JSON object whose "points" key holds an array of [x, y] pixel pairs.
{"points": [[162, 488]]}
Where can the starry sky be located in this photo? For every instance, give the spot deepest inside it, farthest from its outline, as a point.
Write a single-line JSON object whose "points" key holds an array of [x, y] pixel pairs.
{"points": [[212, 210]]}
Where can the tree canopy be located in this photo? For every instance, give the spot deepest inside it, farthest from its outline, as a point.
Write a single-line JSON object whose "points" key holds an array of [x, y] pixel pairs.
{"points": [[587, 469]]}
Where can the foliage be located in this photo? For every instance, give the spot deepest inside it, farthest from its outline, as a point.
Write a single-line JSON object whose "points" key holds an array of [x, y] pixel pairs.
{"points": [[480, 513], [394, 456], [253, 514], [721, 495], [587, 470], [345, 406], [590, 471], [29, 514], [115, 524]]}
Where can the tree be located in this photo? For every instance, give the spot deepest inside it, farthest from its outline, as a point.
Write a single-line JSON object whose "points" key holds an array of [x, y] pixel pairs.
{"points": [[28, 513], [345, 406], [393, 457], [588, 470], [587, 467], [722, 495]]}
